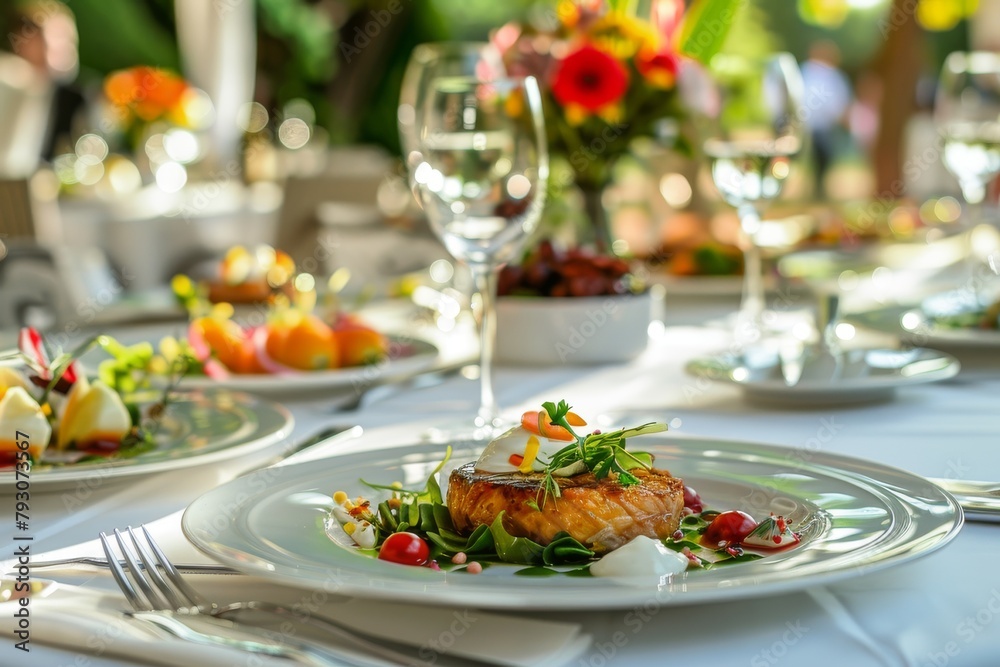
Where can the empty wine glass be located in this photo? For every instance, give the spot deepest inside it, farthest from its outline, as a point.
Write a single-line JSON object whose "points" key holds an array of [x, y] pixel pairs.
{"points": [[967, 113], [432, 61], [749, 115], [481, 181]]}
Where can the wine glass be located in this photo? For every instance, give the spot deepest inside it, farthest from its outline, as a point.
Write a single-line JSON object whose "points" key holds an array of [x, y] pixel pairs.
{"points": [[481, 181], [749, 115], [967, 113], [431, 61]]}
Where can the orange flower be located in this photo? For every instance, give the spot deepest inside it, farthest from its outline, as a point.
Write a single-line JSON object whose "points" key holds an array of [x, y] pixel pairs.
{"points": [[148, 91], [658, 68], [590, 79]]}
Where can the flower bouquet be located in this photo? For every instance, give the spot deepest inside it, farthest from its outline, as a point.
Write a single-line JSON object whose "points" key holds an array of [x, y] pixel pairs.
{"points": [[140, 96], [609, 77]]}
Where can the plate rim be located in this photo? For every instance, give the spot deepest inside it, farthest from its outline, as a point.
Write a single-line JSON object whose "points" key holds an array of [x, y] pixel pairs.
{"points": [[950, 517], [334, 378], [959, 338], [122, 470], [938, 335], [808, 391]]}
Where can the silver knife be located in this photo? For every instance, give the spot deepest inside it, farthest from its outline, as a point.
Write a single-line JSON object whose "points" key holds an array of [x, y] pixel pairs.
{"points": [[980, 500]]}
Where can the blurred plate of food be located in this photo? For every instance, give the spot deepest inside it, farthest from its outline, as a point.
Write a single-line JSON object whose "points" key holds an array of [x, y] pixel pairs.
{"points": [[72, 425]]}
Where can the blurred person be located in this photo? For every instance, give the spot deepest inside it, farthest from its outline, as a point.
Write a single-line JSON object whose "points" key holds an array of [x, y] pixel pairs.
{"points": [[44, 34], [863, 119], [827, 98]]}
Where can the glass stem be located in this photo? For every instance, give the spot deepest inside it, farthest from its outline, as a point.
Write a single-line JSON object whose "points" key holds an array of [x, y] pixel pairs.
{"points": [[753, 303], [972, 280], [485, 280]]}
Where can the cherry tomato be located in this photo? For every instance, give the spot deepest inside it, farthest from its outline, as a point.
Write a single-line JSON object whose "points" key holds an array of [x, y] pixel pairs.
{"points": [[405, 549], [729, 527]]}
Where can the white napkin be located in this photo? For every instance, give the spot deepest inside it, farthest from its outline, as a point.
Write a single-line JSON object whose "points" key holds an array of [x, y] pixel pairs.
{"points": [[501, 639], [91, 623]]}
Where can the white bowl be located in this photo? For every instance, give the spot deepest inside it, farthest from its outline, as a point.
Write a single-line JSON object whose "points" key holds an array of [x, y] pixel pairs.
{"points": [[571, 331]]}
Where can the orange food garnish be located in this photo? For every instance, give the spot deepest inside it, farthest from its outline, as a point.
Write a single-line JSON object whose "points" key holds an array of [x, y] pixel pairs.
{"points": [[306, 345], [225, 339], [541, 424], [360, 345]]}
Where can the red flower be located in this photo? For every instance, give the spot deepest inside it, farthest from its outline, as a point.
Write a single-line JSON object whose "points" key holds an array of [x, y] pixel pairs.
{"points": [[659, 68], [589, 78]]}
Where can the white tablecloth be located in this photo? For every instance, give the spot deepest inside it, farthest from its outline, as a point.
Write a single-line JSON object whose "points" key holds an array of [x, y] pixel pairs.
{"points": [[943, 609]]}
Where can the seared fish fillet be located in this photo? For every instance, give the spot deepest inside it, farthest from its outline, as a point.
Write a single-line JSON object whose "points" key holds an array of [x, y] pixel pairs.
{"points": [[603, 514]]}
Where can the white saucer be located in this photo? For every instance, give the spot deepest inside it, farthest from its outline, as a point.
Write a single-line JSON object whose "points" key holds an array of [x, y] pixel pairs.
{"points": [[815, 377]]}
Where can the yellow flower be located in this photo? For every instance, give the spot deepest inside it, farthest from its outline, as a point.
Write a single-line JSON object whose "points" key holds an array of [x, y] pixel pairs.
{"points": [[612, 114], [568, 12], [623, 36], [514, 104], [575, 114]]}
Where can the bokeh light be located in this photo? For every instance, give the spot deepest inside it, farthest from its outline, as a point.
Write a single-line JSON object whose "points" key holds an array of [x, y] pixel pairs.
{"points": [[171, 177]]}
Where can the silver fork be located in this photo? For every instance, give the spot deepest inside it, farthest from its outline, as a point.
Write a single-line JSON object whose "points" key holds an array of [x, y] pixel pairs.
{"points": [[167, 601]]}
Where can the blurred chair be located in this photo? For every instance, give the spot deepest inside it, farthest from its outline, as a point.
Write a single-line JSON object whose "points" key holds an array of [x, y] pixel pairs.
{"points": [[32, 292], [25, 100], [16, 211]]}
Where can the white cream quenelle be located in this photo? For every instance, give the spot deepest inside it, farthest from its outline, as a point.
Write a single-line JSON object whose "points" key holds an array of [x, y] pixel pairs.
{"points": [[642, 557], [22, 420]]}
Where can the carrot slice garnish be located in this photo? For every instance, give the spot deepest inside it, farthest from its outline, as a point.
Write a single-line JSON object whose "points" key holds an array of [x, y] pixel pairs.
{"points": [[575, 419], [515, 460], [541, 424], [550, 430], [529, 422]]}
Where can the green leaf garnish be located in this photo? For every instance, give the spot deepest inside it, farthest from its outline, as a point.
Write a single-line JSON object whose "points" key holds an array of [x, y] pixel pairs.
{"points": [[512, 549], [600, 453]]}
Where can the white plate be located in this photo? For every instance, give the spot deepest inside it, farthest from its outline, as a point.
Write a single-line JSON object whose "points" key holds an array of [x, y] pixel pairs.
{"points": [[914, 327], [200, 427], [856, 517], [862, 375], [918, 327], [407, 356]]}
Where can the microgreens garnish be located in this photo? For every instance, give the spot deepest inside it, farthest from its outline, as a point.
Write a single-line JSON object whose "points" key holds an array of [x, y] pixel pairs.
{"points": [[599, 453]]}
